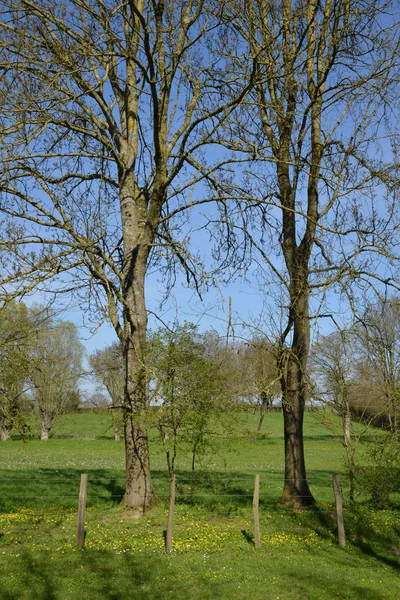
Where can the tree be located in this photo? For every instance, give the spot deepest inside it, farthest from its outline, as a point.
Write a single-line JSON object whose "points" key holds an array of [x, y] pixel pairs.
{"points": [[323, 97], [107, 107], [55, 368], [379, 355], [191, 384], [15, 336], [108, 367], [260, 375], [333, 370], [332, 367]]}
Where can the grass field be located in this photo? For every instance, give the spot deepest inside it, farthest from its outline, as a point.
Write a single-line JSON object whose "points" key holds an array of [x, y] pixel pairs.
{"points": [[214, 555]]}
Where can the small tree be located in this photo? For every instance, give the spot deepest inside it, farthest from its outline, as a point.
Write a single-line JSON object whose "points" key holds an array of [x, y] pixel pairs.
{"points": [[108, 368], [260, 375], [190, 383], [379, 355], [332, 368], [55, 368]]}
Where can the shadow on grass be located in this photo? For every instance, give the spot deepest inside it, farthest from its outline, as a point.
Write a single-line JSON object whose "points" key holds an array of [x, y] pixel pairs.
{"points": [[220, 493], [101, 575], [248, 537], [224, 491]]}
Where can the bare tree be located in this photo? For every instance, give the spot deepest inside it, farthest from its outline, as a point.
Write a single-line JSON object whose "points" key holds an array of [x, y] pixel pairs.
{"points": [[261, 378], [332, 367], [379, 355], [108, 368], [317, 131], [55, 368], [107, 107]]}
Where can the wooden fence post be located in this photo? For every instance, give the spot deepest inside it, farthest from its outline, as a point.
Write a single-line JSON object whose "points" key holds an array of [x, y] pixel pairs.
{"points": [[256, 497], [170, 513], [80, 532], [339, 510]]}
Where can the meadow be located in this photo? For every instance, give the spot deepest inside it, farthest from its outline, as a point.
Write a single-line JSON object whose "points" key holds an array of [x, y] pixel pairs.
{"points": [[214, 554]]}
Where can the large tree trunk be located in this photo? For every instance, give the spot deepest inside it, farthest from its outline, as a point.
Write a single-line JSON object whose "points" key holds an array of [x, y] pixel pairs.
{"points": [[5, 431], [44, 434], [139, 493], [46, 424], [296, 492]]}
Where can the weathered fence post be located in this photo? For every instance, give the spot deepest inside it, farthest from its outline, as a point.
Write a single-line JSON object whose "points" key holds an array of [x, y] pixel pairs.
{"points": [[256, 498], [170, 513], [80, 532], [339, 510]]}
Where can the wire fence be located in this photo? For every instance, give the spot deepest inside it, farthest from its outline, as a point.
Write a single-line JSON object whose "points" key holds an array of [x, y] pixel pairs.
{"points": [[25, 501]]}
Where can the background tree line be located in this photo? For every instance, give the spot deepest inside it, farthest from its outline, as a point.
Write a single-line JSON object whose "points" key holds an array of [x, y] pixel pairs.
{"points": [[41, 366]]}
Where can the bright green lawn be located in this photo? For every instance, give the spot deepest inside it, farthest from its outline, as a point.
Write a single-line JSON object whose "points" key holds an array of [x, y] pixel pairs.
{"points": [[213, 556]]}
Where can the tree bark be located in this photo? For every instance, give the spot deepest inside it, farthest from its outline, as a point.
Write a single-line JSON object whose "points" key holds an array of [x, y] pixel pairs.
{"points": [[296, 492], [347, 427], [264, 405], [46, 424], [5, 432], [261, 419], [44, 434], [139, 493]]}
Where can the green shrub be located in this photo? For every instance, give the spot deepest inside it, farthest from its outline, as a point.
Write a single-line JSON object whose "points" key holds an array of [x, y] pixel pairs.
{"points": [[382, 477]]}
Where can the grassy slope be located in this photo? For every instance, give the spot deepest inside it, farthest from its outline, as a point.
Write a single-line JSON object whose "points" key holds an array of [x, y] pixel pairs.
{"points": [[214, 556]]}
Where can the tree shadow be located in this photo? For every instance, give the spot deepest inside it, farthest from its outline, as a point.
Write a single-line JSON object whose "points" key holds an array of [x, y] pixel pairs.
{"points": [[99, 575], [248, 537]]}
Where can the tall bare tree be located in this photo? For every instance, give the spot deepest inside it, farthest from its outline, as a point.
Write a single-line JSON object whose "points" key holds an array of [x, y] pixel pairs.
{"points": [[321, 181], [107, 107]]}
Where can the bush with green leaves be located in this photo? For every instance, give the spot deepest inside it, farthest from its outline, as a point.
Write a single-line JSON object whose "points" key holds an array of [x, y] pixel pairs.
{"points": [[382, 477], [191, 380]]}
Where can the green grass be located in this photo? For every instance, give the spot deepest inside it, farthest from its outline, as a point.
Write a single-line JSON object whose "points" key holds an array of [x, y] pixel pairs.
{"points": [[214, 555]]}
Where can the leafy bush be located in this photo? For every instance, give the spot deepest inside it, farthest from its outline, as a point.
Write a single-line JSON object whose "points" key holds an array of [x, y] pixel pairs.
{"points": [[383, 477]]}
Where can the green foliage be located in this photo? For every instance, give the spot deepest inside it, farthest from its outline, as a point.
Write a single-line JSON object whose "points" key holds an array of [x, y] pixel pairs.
{"points": [[15, 339], [55, 368], [382, 477], [190, 382]]}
